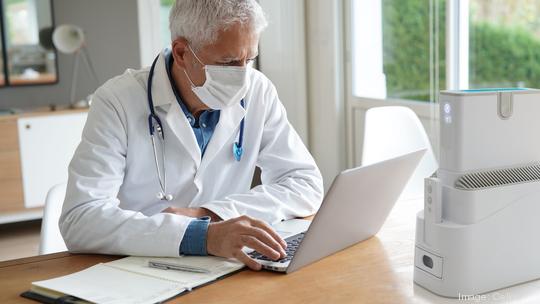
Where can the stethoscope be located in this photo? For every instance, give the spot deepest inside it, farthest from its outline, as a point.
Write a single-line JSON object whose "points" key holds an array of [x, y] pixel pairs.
{"points": [[155, 125]]}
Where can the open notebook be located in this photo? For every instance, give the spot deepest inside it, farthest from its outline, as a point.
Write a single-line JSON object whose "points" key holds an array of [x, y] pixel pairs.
{"points": [[131, 280]]}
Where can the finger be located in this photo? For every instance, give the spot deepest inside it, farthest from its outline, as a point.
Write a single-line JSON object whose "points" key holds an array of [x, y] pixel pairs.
{"points": [[264, 237], [261, 247], [249, 262], [264, 226]]}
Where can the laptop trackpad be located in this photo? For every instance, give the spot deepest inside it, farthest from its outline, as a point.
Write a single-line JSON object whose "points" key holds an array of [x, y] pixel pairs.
{"points": [[291, 227]]}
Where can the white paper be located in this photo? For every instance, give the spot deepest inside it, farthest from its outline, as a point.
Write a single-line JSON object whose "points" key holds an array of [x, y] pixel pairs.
{"points": [[217, 266], [109, 285]]}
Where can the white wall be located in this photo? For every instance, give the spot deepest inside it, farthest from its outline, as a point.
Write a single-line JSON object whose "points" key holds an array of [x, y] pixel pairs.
{"points": [[301, 52], [282, 58], [149, 20], [326, 86]]}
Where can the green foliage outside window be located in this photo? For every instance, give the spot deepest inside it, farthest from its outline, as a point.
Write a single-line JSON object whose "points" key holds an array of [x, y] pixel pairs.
{"points": [[500, 56], [406, 47], [504, 57], [168, 3]]}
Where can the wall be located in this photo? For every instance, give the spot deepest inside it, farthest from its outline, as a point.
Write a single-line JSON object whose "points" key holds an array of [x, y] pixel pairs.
{"points": [[112, 34], [43, 17], [327, 115], [282, 58], [301, 53]]}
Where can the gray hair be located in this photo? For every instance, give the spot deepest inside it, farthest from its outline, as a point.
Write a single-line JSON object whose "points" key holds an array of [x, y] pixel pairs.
{"points": [[199, 21]]}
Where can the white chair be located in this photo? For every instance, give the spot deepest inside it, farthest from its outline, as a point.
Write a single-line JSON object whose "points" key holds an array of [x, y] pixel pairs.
{"points": [[51, 239], [393, 131]]}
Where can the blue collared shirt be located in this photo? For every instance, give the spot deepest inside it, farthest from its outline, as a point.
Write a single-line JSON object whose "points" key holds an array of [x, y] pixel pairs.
{"points": [[194, 240]]}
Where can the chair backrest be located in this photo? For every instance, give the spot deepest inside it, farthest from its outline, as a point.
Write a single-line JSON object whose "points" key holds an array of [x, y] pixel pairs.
{"points": [[393, 131], [51, 239]]}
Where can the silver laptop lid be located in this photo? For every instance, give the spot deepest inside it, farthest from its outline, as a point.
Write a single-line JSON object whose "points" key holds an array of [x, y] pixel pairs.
{"points": [[355, 207]]}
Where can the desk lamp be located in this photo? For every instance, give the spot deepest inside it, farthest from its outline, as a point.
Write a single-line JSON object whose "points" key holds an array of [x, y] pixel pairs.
{"points": [[69, 39]]}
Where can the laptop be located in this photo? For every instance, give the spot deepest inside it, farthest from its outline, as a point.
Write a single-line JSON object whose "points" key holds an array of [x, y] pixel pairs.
{"points": [[353, 210]]}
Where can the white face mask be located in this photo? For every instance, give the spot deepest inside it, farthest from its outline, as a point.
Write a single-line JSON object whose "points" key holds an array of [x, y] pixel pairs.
{"points": [[224, 85]]}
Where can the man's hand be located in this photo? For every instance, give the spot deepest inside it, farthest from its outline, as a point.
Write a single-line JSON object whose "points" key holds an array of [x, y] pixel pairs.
{"points": [[227, 239], [193, 212]]}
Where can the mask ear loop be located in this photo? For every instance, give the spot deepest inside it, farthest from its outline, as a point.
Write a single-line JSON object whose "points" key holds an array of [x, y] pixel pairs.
{"points": [[190, 82], [196, 57]]}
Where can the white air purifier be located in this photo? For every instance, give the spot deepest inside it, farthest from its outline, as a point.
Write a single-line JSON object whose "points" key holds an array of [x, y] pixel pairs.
{"points": [[480, 227]]}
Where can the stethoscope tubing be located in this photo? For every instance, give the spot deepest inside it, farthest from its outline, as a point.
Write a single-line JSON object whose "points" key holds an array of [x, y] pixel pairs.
{"points": [[154, 120]]}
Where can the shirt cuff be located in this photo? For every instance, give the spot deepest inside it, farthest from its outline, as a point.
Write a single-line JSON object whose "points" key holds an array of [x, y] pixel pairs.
{"points": [[224, 209], [194, 240]]}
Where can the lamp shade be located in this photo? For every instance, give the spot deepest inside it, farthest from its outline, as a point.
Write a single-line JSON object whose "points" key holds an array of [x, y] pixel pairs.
{"points": [[68, 38]]}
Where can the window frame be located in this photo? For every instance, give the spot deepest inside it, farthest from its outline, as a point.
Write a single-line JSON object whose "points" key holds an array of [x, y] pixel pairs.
{"points": [[457, 44]]}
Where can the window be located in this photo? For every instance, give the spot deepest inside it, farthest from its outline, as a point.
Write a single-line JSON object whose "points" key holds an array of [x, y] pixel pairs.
{"points": [[409, 50], [396, 48]]}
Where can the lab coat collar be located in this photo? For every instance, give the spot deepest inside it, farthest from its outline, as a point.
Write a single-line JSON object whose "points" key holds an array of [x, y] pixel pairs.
{"points": [[163, 96], [177, 121], [162, 92]]}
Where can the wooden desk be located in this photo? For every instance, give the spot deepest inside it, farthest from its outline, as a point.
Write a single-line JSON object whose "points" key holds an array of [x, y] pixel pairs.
{"points": [[379, 270]]}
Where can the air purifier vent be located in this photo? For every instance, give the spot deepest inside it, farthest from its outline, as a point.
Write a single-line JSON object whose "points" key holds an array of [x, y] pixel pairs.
{"points": [[499, 177]]}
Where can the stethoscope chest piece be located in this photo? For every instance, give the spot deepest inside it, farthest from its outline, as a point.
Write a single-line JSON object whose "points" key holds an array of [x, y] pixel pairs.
{"points": [[164, 197], [238, 148], [237, 151]]}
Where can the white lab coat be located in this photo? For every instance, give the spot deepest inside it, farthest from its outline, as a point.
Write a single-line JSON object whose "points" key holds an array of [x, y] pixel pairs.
{"points": [[111, 204]]}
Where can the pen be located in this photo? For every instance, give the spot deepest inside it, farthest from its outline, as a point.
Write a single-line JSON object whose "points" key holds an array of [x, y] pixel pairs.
{"points": [[180, 267]]}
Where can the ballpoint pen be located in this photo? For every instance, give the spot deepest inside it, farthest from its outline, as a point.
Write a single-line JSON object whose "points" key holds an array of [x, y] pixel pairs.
{"points": [[180, 267]]}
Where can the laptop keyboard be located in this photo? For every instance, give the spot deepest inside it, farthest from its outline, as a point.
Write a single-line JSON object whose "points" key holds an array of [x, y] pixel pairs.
{"points": [[292, 244]]}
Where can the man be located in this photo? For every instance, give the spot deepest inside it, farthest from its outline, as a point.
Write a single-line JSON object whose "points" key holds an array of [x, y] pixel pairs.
{"points": [[214, 120]]}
